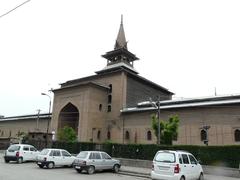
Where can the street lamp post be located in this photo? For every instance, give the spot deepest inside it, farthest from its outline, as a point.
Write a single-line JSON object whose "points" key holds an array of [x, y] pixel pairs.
{"points": [[48, 122], [157, 105]]}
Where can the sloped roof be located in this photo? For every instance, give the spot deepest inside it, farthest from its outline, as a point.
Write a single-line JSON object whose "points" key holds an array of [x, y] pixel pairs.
{"points": [[26, 117], [188, 103]]}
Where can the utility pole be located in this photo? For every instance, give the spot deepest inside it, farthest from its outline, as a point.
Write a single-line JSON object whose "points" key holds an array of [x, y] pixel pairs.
{"points": [[157, 105], [38, 110], [159, 134]]}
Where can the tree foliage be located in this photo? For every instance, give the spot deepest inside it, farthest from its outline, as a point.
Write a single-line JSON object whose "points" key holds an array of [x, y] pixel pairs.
{"points": [[67, 134], [168, 129]]}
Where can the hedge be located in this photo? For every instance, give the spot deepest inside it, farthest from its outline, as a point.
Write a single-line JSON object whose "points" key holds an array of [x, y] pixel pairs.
{"points": [[228, 156]]}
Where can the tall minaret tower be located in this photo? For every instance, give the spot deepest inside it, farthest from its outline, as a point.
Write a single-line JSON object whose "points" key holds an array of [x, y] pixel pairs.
{"points": [[120, 56]]}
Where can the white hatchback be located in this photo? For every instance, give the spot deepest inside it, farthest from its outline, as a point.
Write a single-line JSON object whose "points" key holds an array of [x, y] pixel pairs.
{"points": [[54, 157], [21, 153], [176, 165]]}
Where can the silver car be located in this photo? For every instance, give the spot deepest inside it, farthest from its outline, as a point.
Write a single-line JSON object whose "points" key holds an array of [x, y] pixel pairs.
{"points": [[92, 161]]}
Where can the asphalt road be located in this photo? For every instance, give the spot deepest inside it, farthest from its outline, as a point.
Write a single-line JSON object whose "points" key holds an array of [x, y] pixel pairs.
{"points": [[30, 171]]}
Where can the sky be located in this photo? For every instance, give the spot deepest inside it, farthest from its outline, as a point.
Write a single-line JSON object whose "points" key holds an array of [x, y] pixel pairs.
{"points": [[189, 47]]}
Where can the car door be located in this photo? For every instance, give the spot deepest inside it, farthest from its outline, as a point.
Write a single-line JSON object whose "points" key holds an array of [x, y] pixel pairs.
{"points": [[33, 153], [57, 158], [186, 167], [107, 161], [67, 158], [194, 167], [26, 153], [96, 160]]}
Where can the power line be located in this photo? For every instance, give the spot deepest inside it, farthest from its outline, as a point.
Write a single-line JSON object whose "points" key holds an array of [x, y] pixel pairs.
{"points": [[14, 8]]}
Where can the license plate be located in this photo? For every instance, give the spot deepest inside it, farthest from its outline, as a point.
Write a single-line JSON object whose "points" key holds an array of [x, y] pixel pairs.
{"points": [[77, 167], [39, 163]]}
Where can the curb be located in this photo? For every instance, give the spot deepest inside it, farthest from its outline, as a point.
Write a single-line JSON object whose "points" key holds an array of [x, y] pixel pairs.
{"points": [[135, 174]]}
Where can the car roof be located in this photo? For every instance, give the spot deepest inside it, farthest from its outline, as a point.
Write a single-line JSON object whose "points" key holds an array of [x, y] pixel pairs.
{"points": [[55, 149], [175, 151], [21, 145], [93, 151]]}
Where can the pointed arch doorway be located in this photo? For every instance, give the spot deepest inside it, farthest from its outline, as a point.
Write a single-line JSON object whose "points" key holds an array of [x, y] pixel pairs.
{"points": [[69, 116]]}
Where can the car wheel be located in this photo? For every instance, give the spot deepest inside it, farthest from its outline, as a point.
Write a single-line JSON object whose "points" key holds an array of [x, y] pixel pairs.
{"points": [[91, 170], [79, 170], [20, 160], [116, 168], [50, 165], [201, 177], [41, 166], [6, 161], [182, 178]]}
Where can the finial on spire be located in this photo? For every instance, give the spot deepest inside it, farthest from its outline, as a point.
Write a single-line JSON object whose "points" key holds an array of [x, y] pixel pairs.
{"points": [[121, 40]]}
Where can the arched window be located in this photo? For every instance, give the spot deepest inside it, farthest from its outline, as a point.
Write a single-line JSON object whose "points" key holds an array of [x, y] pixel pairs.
{"points": [[109, 99], [127, 135], [237, 135], [203, 135], [99, 135], [149, 135], [109, 108], [108, 135], [100, 107], [110, 88]]}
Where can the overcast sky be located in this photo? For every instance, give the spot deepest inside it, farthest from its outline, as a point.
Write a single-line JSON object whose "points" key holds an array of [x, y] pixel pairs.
{"points": [[189, 47]]}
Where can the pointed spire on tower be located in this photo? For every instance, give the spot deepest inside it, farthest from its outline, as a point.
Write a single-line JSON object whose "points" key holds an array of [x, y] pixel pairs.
{"points": [[121, 40]]}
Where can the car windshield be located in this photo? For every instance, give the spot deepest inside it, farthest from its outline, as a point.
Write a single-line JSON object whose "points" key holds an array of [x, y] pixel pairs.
{"points": [[82, 155], [165, 157], [14, 148], [44, 152]]}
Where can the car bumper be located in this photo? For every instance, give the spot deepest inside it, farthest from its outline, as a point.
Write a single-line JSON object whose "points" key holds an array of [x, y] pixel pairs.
{"points": [[11, 158], [80, 167], [164, 177], [43, 163]]}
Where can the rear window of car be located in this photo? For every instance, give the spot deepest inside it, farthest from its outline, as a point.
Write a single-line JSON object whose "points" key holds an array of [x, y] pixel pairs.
{"points": [[82, 155], [14, 148], [44, 152], [165, 157]]}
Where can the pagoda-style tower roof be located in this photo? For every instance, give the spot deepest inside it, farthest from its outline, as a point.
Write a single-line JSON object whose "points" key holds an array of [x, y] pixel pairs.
{"points": [[120, 56]]}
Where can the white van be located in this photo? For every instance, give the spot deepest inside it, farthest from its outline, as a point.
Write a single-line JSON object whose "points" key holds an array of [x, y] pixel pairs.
{"points": [[176, 165], [21, 153]]}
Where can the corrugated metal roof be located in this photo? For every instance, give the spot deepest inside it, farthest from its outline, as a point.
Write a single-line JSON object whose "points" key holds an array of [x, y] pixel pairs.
{"points": [[198, 102], [26, 117]]}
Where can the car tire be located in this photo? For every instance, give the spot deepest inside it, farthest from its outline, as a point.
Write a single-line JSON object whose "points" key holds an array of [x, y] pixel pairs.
{"points": [[116, 168], [41, 166], [91, 170], [201, 177], [182, 178], [20, 160], [50, 165], [79, 170], [6, 161]]}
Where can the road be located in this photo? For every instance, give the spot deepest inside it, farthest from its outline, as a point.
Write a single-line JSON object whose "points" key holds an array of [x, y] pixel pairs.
{"points": [[14, 171]]}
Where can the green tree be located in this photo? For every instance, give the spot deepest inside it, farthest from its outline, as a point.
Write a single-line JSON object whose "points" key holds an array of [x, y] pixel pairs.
{"points": [[168, 129], [67, 134]]}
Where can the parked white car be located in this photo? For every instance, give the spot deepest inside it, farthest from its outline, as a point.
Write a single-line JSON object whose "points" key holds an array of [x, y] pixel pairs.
{"points": [[51, 158], [92, 161], [176, 165], [21, 153]]}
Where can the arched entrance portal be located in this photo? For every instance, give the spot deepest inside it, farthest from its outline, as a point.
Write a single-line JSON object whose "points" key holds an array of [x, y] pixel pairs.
{"points": [[69, 116]]}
